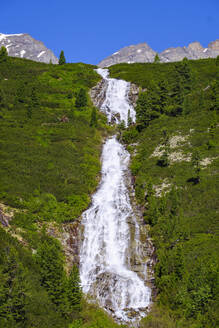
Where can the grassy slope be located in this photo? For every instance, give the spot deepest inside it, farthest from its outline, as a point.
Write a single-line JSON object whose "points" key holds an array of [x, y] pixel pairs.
{"points": [[48, 170], [41, 155], [189, 237]]}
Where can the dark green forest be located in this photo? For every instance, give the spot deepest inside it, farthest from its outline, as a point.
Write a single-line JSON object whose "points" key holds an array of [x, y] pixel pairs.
{"points": [[50, 146], [175, 167]]}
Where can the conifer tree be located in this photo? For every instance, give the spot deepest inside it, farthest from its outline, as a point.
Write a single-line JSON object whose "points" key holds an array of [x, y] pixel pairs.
{"points": [[53, 276], [93, 121], [62, 59], [2, 99], [81, 99], [156, 59], [129, 118], [196, 165], [3, 54], [74, 289]]}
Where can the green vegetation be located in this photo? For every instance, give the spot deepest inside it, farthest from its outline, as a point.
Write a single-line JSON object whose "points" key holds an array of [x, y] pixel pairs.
{"points": [[176, 177], [62, 59], [50, 150]]}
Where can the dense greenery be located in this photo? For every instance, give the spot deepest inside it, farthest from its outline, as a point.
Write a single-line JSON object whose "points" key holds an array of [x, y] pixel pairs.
{"points": [[50, 143], [50, 151], [49, 147], [178, 100]]}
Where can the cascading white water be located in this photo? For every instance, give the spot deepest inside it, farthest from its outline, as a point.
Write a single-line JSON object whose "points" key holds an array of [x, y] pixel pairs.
{"points": [[116, 101], [105, 268]]}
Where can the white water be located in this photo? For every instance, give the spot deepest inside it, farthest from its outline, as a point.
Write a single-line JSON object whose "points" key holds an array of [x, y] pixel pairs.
{"points": [[116, 102], [105, 269]]}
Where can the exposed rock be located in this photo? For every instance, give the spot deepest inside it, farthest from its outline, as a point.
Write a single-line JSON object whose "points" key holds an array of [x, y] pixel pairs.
{"points": [[133, 94], [142, 53], [24, 46], [70, 237], [4, 219], [98, 93], [176, 141], [6, 214], [164, 187]]}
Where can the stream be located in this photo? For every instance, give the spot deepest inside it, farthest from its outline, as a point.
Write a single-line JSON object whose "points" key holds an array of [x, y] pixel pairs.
{"points": [[105, 257]]}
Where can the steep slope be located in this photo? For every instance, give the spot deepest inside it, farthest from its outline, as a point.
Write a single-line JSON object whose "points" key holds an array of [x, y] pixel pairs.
{"points": [[174, 147], [142, 53], [50, 149], [24, 46]]}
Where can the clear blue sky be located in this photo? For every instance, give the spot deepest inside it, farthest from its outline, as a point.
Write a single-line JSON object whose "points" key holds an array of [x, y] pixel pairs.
{"points": [[90, 30]]}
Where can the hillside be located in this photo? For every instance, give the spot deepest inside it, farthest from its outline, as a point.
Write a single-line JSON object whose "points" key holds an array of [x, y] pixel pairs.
{"points": [[174, 147], [50, 145]]}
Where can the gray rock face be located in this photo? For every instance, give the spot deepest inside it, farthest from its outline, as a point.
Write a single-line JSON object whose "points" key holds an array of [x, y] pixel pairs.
{"points": [[24, 46], [142, 53]]}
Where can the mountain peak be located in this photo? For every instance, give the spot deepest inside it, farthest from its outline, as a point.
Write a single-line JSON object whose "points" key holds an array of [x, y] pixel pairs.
{"points": [[25, 46], [142, 53]]}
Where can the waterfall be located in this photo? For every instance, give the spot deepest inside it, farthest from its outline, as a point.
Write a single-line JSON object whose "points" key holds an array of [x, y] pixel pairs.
{"points": [[105, 267]]}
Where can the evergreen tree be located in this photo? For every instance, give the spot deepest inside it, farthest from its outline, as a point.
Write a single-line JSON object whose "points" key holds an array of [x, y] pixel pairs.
{"points": [[53, 276], [93, 120], [81, 99], [144, 111], [3, 54], [129, 118], [156, 59], [13, 291], [2, 99], [20, 94], [196, 165], [74, 289], [62, 59]]}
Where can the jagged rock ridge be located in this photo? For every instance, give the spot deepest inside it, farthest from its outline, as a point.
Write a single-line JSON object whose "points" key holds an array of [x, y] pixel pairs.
{"points": [[142, 53], [24, 46]]}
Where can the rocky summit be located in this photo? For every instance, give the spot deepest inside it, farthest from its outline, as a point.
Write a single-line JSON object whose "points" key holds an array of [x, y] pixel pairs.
{"points": [[24, 46], [142, 53]]}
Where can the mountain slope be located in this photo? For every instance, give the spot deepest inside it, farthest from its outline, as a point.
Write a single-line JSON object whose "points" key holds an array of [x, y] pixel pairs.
{"points": [[142, 53], [174, 147], [24, 46]]}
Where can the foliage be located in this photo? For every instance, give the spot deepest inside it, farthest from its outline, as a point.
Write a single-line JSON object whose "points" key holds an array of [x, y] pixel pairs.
{"points": [[34, 131], [62, 59], [81, 99], [3, 54], [156, 59], [183, 218]]}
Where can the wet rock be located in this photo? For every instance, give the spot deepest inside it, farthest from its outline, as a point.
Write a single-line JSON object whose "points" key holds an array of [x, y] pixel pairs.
{"points": [[98, 93], [4, 219], [70, 237]]}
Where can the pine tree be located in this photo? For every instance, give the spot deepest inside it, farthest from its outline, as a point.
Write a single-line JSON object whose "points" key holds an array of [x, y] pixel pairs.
{"points": [[74, 289], [2, 99], [144, 110], [81, 99], [196, 165], [62, 59], [3, 54], [129, 120], [53, 277], [156, 59], [93, 120]]}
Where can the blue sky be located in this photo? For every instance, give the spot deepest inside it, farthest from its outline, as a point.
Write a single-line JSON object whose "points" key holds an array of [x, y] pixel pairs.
{"points": [[90, 30]]}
